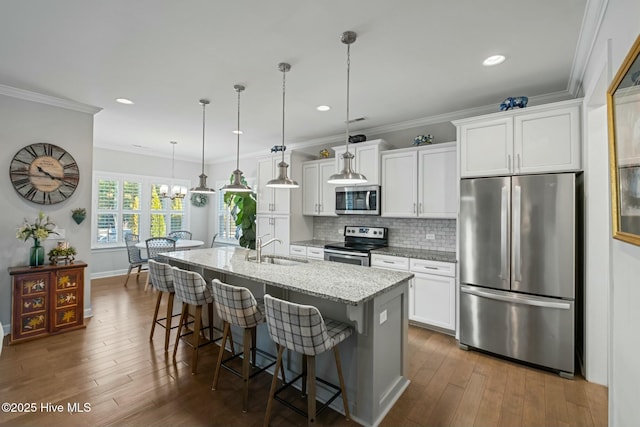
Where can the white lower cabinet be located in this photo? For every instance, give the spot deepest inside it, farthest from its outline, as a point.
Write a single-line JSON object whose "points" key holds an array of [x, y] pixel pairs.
{"points": [[312, 252], [432, 296]]}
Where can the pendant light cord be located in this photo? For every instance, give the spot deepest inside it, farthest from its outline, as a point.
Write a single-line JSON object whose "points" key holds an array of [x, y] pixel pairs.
{"points": [[238, 135], [203, 107], [284, 73], [348, 72]]}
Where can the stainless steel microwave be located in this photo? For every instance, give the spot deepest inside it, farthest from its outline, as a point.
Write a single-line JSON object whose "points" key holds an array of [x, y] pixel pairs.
{"points": [[363, 200]]}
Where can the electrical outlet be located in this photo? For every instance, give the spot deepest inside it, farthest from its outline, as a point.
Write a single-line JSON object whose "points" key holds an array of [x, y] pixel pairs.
{"points": [[430, 236], [383, 316]]}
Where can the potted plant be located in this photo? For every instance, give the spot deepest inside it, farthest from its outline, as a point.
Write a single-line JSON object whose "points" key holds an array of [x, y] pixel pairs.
{"points": [[41, 228], [78, 215], [243, 209], [62, 254]]}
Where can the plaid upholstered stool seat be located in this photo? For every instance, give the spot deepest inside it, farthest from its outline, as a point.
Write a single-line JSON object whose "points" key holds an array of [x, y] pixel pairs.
{"points": [[193, 290], [237, 306], [302, 329], [162, 280]]}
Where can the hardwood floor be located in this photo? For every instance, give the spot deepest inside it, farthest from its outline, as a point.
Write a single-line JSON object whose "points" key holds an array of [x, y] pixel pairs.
{"points": [[128, 380]]}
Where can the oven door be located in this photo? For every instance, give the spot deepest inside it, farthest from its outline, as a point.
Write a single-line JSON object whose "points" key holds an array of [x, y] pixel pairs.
{"points": [[345, 257]]}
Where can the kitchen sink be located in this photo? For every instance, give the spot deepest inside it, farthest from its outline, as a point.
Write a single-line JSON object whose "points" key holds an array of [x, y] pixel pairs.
{"points": [[278, 260]]}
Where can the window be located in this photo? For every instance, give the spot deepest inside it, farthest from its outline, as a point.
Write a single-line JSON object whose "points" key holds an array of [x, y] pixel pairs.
{"points": [[228, 232], [130, 204]]}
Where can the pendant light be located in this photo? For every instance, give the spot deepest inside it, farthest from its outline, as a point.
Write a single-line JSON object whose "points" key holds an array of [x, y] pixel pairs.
{"points": [[237, 186], [282, 181], [202, 186], [347, 175], [177, 191]]}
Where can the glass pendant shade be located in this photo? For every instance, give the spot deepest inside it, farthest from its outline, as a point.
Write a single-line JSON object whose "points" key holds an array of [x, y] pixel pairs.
{"points": [[202, 187], [237, 186], [282, 180], [347, 176]]}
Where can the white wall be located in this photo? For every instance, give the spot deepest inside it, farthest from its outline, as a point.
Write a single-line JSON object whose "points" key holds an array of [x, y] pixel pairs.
{"points": [[22, 123], [620, 26]]}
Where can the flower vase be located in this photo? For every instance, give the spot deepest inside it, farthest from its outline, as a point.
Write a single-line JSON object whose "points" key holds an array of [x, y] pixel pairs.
{"points": [[36, 254]]}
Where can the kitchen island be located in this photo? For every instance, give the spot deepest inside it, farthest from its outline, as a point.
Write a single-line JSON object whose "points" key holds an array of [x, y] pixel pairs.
{"points": [[374, 301]]}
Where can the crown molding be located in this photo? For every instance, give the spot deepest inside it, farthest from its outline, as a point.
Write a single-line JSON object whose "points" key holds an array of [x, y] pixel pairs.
{"points": [[591, 21], [28, 95]]}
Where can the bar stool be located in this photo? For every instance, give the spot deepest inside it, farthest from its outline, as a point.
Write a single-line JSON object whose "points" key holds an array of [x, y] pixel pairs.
{"points": [[193, 290], [162, 279], [301, 328], [237, 306]]}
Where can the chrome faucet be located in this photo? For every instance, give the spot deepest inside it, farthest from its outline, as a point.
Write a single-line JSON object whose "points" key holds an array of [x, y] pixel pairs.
{"points": [[260, 245]]}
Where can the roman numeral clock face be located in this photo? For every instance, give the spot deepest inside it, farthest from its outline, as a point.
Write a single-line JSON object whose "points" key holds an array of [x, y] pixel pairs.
{"points": [[44, 173]]}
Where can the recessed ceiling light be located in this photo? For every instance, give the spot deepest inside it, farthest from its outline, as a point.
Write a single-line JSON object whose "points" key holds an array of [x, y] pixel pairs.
{"points": [[323, 108], [237, 132], [124, 101], [493, 60]]}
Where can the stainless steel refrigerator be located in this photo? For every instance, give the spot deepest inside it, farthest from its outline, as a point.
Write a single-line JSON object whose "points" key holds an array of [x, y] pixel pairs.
{"points": [[519, 267]]}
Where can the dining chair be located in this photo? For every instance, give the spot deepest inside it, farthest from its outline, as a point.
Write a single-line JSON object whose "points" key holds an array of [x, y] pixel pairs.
{"points": [[155, 246], [213, 241], [135, 257], [180, 234]]}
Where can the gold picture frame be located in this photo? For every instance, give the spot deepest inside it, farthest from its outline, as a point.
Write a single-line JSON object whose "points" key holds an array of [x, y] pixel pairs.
{"points": [[623, 110]]}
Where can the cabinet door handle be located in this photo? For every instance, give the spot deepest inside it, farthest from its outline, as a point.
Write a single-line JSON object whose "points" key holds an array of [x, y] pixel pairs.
{"points": [[414, 208], [319, 207]]}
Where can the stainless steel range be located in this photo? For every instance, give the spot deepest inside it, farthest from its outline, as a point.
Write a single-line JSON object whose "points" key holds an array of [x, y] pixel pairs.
{"points": [[357, 246]]}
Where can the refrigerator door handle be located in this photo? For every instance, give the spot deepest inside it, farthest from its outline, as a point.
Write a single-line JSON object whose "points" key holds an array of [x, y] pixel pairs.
{"points": [[504, 234], [515, 299], [516, 221]]}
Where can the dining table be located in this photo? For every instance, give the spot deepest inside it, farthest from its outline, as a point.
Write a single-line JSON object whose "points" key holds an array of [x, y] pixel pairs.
{"points": [[181, 244]]}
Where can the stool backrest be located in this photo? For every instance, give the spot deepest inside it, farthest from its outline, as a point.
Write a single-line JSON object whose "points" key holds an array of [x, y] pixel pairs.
{"points": [[156, 245], [297, 327], [161, 276], [190, 287], [236, 305]]}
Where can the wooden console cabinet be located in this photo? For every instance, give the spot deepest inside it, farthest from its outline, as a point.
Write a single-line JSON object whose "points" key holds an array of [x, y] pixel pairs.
{"points": [[46, 300]]}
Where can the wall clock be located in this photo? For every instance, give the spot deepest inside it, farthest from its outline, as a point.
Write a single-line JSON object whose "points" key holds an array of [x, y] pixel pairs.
{"points": [[44, 173], [198, 199]]}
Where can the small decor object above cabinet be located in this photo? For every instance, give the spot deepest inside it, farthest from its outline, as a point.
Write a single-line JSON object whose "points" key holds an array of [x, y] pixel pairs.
{"points": [[199, 199], [423, 139], [46, 301], [519, 101], [41, 228], [44, 173], [623, 104]]}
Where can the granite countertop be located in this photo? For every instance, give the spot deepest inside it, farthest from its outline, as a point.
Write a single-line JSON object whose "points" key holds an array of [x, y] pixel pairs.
{"points": [[348, 284], [417, 254], [314, 243]]}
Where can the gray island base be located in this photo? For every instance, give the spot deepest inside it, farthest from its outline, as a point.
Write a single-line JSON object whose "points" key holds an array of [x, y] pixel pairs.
{"points": [[375, 302]]}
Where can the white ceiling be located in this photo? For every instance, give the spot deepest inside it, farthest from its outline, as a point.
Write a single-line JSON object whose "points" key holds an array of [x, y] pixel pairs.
{"points": [[413, 59]]}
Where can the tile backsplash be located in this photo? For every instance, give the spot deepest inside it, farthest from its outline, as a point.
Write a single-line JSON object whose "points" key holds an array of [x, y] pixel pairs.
{"points": [[403, 232]]}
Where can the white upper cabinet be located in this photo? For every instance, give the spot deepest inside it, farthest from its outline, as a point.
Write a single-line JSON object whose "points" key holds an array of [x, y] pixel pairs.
{"points": [[366, 161], [318, 196], [271, 200], [538, 139], [420, 182]]}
